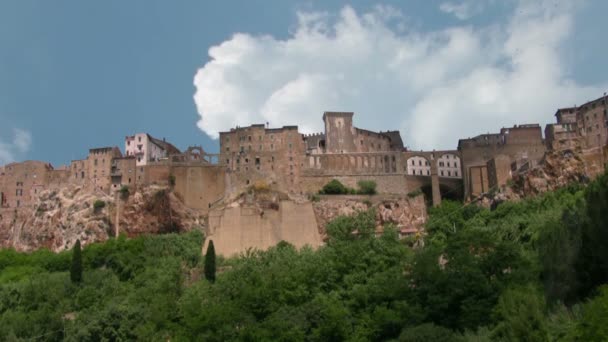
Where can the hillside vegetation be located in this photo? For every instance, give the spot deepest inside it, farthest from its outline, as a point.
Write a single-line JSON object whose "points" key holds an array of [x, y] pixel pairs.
{"points": [[533, 270]]}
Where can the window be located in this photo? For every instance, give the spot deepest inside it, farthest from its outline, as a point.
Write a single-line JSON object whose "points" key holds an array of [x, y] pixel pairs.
{"points": [[272, 147], [428, 172], [242, 149], [420, 163], [260, 147], [249, 148], [271, 137], [227, 149], [95, 162], [139, 139], [449, 173], [249, 138]]}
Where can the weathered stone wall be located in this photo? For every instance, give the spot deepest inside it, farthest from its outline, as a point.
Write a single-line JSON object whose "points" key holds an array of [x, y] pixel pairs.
{"points": [[240, 227], [499, 171]]}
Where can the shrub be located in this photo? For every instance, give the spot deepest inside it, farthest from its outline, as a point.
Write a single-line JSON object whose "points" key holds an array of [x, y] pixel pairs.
{"points": [[124, 192], [314, 198], [98, 205], [334, 187], [367, 187], [260, 186], [172, 180], [414, 193]]}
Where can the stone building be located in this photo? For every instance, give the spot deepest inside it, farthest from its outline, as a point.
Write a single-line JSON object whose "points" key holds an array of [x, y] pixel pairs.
{"points": [[342, 137], [145, 148], [99, 164], [521, 143], [21, 182], [257, 153]]}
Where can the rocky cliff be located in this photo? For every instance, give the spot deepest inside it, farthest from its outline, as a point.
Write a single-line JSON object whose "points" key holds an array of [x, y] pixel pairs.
{"points": [[408, 214], [557, 169], [60, 217]]}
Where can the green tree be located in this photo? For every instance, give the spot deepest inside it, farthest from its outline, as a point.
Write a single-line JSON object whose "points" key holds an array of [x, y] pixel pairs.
{"points": [[594, 324], [210, 262], [76, 269], [521, 315]]}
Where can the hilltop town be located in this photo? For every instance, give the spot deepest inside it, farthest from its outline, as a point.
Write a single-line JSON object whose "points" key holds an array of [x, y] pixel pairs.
{"points": [[292, 167]]}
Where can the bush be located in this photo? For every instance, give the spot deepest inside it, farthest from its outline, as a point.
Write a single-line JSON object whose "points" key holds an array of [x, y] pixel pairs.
{"points": [[314, 198], [334, 187], [414, 193], [98, 205], [124, 192], [367, 187], [172, 180]]}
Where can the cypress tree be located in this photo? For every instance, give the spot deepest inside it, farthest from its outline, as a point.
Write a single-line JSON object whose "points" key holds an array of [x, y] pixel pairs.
{"points": [[210, 262], [76, 269]]}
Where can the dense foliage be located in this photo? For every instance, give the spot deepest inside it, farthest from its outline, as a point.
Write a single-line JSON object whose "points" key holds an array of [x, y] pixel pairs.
{"points": [[534, 270]]}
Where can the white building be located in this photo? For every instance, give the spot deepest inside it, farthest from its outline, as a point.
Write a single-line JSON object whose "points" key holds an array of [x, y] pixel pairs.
{"points": [[146, 148], [448, 165], [418, 166]]}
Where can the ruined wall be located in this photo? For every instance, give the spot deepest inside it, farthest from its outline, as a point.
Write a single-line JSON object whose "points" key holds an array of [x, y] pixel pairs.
{"points": [[199, 186], [499, 171], [238, 228]]}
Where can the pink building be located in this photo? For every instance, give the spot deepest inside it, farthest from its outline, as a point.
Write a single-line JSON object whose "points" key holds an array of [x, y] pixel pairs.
{"points": [[145, 148]]}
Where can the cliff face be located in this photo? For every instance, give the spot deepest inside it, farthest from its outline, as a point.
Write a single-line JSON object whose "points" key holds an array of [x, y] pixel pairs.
{"points": [[557, 169], [408, 214], [60, 217]]}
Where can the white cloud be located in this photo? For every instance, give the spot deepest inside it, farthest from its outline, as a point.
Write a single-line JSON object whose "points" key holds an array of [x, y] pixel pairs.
{"points": [[436, 87], [463, 10], [20, 144]]}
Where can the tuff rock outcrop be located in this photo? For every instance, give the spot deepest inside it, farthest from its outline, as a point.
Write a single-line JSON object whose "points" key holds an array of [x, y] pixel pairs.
{"points": [[408, 214], [60, 217]]}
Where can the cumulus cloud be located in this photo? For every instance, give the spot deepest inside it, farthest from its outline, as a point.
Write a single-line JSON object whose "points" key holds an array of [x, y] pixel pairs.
{"points": [[435, 87], [20, 144]]}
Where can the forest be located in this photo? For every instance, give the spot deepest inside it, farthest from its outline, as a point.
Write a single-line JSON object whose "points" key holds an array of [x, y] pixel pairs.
{"points": [[533, 270]]}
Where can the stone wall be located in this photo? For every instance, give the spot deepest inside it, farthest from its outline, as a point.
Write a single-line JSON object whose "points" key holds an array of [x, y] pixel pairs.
{"points": [[240, 227]]}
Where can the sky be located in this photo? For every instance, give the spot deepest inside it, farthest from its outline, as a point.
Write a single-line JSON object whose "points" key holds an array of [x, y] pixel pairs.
{"points": [[77, 74]]}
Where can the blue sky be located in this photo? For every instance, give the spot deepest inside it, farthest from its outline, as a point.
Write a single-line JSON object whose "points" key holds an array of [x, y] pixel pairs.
{"points": [[82, 74]]}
